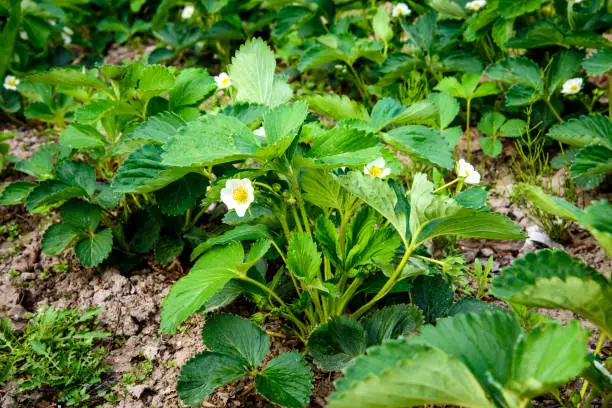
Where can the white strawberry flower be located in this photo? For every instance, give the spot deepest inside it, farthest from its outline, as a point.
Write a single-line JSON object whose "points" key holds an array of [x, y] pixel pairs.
{"points": [[260, 131], [187, 12], [223, 81], [238, 194], [475, 5], [10, 83], [377, 169], [400, 10], [66, 38], [24, 36], [467, 172], [68, 30], [572, 86], [52, 22]]}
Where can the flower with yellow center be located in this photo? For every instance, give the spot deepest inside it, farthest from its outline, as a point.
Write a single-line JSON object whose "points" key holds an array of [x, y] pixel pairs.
{"points": [[238, 194], [10, 83], [400, 10], [260, 131], [572, 86], [475, 5], [467, 172], [377, 169], [187, 12], [223, 81]]}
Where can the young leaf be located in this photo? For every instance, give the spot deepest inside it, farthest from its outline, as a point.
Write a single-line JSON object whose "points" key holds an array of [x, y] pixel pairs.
{"points": [[236, 337], [281, 126], [95, 248], [252, 74], [202, 374], [333, 344], [381, 23], [553, 279], [209, 275], [303, 260], [286, 381], [391, 322]]}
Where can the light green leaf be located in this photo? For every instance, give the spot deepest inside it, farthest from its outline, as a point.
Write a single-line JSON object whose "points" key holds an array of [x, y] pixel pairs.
{"points": [[282, 125], [321, 189], [159, 128], [597, 219], [335, 343], [191, 87], [16, 192], [510, 9], [318, 55], [491, 122], [336, 106], [79, 136], [419, 113], [65, 77], [95, 248], [211, 139], [554, 279], [451, 85], [517, 70], [381, 23], [252, 74], [40, 164], [236, 337], [447, 107], [400, 375], [202, 374], [303, 260], [491, 147], [209, 275], [57, 238], [423, 142], [240, 233], [584, 131], [342, 146], [98, 109], [377, 194], [155, 80], [286, 381], [548, 203]]}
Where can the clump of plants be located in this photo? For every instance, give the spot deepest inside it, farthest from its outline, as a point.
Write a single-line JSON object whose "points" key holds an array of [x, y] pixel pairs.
{"points": [[58, 350]]}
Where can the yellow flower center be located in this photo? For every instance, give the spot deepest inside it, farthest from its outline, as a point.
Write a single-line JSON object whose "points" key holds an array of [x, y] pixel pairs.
{"points": [[12, 82], [376, 171], [225, 81], [240, 195], [574, 87]]}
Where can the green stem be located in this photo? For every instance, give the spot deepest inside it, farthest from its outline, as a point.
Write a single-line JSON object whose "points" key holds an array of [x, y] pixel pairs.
{"points": [[346, 297], [468, 136], [553, 110], [609, 97], [197, 216], [300, 200], [360, 85], [600, 343], [446, 185], [297, 218]]}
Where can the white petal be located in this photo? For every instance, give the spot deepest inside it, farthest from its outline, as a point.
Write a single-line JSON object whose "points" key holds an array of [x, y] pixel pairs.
{"points": [[241, 209], [385, 172], [227, 196], [473, 177]]}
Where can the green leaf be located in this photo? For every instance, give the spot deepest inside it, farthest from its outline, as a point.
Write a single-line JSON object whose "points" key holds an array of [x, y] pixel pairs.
{"points": [[318, 55], [377, 194], [451, 85], [143, 172], [155, 80], [214, 6], [423, 142], [519, 95], [391, 322], [517, 70], [168, 248], [511, 9], [281, 126], [208, 140], [342, 146], [77, 136], [98, 109], [240, 233], [335, 343], [467, 305], [159, 128], [491, 147], [547, 203], [327, 237], [50, 194], [447, 106], [422, 112], [40, 164], [336, 106], [384, 112], [77, 174], [303, 260], [321, 189], [205, 372], [95, 248], [591, 161], [513, 128], [400, 375], [16, 192], [191, 87], [584, 131], [565, 65], [599, 62], [146, 230], [554, 279], [433, 295], [286, 381], [252, 74], [597, 219], [381, 23], [81, 215], [491, 122], [57, 238], [65, 77], [209, 275], [182, 194], [236, 337]]}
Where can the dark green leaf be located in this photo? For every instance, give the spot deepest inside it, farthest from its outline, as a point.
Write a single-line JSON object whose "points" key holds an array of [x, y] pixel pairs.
{"points": [[333, 344], [286, 381], [391, 322], [95, 248]]}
